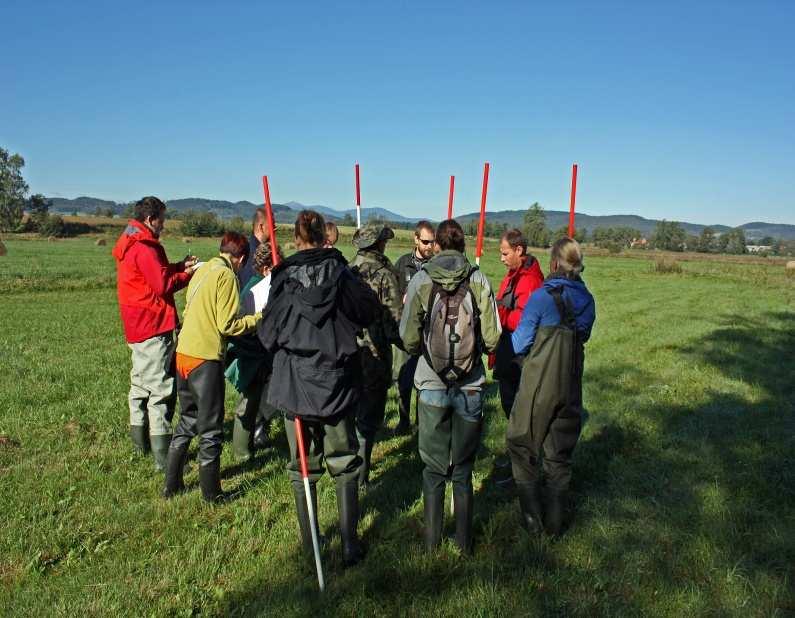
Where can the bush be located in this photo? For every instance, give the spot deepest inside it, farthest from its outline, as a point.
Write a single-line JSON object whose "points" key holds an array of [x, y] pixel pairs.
{"points": [[51, 225], [667, 267], [201, 224], [237, 224]]}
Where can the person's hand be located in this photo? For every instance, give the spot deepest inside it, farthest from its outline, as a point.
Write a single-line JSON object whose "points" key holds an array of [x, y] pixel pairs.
{"points": [[190, 261]]}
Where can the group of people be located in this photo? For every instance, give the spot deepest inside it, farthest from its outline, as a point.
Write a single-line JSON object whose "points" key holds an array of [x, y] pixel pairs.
{"points": [[313, 338]]}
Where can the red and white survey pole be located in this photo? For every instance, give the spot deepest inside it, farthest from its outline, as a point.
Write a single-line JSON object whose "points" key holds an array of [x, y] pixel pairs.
{"points": [[358, 197], [450, 198], [482, 222], [299, 430], [573, 199]]}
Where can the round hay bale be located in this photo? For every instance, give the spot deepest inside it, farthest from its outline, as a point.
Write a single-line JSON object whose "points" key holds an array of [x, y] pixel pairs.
{"points": [[791, 265], [186, 240], [51, 239], [3, 250], [101, 242]]}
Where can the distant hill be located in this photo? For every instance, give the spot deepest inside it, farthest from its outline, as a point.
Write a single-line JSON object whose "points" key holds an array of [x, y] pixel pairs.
{"points": [[285, 213], [558, 218]]}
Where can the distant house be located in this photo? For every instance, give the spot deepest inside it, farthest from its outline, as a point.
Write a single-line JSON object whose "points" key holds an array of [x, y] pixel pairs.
{"points": [[758, 248]]}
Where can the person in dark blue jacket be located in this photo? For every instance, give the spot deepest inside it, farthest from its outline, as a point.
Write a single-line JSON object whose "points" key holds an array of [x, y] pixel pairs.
{"points": [[546, 417]]}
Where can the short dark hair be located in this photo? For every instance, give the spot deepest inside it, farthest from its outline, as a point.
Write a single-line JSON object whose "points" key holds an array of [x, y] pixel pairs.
{"points": [[259, 215], [450, 235], [332, 230], [310, 227], [149, 206], [515, 238], [424, 224], [234, 244]]}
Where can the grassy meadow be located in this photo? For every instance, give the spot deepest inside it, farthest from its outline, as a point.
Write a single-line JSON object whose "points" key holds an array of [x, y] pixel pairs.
{"points": [[684, 475]]}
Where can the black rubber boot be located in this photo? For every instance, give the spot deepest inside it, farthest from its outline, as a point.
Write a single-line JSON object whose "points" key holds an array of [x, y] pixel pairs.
{"points": [[261, 432], [348, 505], [241, 441], [140, 438], [210, 481], [303, 515], [555, 513], [175, 466], [160, 446], [463, 503], [433, 507], [366, 453], [530, 507]]}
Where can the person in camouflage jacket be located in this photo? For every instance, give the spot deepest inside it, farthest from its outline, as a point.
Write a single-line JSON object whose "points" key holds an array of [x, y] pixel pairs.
{"points": [[375, 342]]}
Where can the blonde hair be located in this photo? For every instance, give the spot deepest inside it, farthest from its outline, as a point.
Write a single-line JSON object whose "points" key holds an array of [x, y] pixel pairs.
{"points": [[568, 255]]}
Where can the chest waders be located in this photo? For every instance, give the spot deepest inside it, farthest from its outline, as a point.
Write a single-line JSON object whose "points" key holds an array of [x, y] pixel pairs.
{"points": [[546, 418]]}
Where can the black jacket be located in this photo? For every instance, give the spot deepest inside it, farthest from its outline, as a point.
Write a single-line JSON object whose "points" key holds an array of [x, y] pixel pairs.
{"points": [[406, 267], [315, 309]]}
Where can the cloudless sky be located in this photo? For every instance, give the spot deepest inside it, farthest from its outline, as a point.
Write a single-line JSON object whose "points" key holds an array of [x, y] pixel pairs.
{"points": [[675, 110]]}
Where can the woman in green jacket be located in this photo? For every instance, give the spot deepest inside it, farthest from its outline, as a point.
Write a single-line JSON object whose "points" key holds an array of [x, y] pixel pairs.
{"points": [[212, 305]]}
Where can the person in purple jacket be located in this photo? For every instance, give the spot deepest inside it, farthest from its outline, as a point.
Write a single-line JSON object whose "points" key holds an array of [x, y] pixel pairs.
{"points": [[546, 417]]}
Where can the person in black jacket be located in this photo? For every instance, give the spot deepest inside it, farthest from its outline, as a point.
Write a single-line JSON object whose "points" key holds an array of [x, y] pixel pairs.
{"points": [[406, 267], [315, 310]]}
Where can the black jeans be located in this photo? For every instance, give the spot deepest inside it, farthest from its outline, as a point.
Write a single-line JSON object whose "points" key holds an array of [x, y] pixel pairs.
{"points": [[201, 402]]}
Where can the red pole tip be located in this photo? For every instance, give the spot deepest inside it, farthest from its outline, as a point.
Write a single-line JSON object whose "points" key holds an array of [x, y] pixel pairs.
{"points": [[482, 221], [450, 198], [573, 200], [358, 186]]}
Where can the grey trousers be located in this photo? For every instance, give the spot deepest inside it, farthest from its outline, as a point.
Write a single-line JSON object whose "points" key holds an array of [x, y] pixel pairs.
{"points": [[152, 390]]}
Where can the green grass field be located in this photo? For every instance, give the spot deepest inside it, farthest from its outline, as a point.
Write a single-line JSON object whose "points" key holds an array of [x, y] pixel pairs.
{"points": [[684, 475]]}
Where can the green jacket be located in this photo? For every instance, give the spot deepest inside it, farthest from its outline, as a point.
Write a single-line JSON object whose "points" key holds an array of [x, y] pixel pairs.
{"points": [[244, 355], [449, 269], [376, 271], [211, 305]]}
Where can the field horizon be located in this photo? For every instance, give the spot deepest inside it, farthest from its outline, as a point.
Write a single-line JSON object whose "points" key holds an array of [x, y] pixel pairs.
{"points": [[684, 480]]}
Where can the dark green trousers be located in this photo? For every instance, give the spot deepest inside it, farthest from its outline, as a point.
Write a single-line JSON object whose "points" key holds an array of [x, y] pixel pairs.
{"points": [[333, 445], [450, 426]]}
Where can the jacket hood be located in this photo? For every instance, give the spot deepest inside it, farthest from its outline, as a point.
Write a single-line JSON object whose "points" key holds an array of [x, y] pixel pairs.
{"points": [[133, 233], [448, 269], [577, 294], [311, 277]]}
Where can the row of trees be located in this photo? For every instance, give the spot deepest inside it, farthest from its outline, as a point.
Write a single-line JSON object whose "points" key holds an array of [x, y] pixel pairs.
{"points": [[14, 203]]}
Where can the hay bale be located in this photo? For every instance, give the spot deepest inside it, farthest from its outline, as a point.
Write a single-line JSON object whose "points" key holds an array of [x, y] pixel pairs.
{"points": [[51, 239], [3, 250], [186, 240], [791, 265], [101, 242]]}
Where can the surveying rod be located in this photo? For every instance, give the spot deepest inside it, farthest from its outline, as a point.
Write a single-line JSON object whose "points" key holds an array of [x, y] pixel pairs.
{"points": [[450, 198], [573, 199], [299, 430], [482, 222], [358, 198]]}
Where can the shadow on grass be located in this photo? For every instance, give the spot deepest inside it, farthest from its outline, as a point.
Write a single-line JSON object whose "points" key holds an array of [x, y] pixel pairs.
{"points": [[682, 505]]}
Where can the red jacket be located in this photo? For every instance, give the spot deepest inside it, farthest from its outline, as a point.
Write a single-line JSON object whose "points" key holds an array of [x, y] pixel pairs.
{"points": [[146, 284], [514, 291]]}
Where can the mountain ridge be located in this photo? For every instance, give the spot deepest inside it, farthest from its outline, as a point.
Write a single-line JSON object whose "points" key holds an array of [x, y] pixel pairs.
{"points": [[285, 213]]}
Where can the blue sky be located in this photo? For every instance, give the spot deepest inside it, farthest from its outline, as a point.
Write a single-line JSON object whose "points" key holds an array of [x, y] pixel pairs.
{"points": [[677, 110]]}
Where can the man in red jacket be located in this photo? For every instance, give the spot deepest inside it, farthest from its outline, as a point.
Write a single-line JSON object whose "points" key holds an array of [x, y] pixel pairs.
{"points": [[523, 277], [146, 284]]}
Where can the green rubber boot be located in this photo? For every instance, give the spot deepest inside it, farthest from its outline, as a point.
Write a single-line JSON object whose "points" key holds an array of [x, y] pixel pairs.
{"points": [[160, 446], [140, 438], [241, 441]]}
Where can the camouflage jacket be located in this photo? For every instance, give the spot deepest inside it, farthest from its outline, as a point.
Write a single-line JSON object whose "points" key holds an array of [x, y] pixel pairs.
{"points": [[376, 270]]}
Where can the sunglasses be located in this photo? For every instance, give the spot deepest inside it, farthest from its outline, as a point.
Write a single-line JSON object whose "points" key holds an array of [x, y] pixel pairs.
{"points": [[426, 242]]}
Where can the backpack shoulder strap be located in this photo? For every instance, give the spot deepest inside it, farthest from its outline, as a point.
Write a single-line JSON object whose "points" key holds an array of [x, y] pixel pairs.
{"points": [[564, 308]]}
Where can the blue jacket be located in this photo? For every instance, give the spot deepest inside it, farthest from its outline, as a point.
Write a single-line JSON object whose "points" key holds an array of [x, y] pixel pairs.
{"points": [[541, 311]]}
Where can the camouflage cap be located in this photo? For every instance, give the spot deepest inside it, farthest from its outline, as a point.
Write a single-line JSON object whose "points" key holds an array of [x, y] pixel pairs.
{"points": [[370, 234]]}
